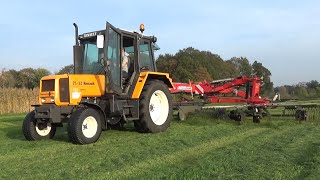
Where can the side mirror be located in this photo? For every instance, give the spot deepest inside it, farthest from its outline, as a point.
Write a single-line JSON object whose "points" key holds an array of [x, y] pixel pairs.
{"points": [[100, 41]]}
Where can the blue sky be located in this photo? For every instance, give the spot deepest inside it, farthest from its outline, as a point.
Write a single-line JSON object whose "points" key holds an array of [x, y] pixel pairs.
{"points": [[283, 35]]}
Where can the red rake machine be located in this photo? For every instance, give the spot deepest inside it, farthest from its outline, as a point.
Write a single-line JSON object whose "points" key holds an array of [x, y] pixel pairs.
{"points": [[235, 98]]}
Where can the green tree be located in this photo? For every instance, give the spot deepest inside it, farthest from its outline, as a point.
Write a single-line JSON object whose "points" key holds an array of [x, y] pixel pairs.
{"points": [[242, 66], [313, 84], [284, 93], [167, 63], [290, 89], [187, 60], [11, 79], [300, 92], [201, 74], [7, 79], [66, 69], [39, 73], [318, 91], [229, 70], [265, 74], [312, 92], [27, 76]]}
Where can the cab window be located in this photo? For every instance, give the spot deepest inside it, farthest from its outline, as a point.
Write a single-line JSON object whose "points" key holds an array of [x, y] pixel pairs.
{"points": [[146, 63]]}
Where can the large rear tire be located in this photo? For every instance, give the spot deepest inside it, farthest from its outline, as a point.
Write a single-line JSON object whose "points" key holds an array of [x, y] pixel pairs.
{"points": [[84, 126], [155, 108], [34, 130]]}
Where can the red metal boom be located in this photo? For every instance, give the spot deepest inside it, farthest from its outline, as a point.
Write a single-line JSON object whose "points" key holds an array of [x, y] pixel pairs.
{"points": [[217, 91]]}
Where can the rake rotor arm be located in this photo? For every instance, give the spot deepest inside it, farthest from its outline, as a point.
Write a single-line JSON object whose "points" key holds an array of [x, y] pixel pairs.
{"points": [[215, 91]]}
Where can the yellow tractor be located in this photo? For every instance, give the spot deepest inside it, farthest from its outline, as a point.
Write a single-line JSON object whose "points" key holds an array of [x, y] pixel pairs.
{"points": [[115, 81]]}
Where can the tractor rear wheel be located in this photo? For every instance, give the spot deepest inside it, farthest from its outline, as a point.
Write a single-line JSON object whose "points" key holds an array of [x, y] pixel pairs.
{"points": [[84, 126], [155, 108], [34, 130]]}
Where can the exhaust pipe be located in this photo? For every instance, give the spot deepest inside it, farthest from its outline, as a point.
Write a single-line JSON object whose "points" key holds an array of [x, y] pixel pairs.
{"points": [[76, 53], [76, 33]]}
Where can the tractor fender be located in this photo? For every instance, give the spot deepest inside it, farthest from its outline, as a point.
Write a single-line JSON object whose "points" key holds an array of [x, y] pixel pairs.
{"points": [[147, 76], [100, 110]]}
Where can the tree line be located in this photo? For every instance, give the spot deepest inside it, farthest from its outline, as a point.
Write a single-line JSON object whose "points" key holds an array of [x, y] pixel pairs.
{"points": [[302, 90], [187, 64], [24, 78], [28, 77]]}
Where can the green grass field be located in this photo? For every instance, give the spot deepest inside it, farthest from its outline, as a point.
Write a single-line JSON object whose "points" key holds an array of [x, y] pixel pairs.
{"points": [[198, 148]]}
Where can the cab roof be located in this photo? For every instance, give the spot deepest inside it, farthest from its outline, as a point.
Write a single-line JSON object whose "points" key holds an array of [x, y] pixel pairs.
{"points": [[89, 35]]}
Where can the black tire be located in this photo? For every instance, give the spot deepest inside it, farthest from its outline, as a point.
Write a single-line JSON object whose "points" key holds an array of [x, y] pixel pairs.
{"points": [[301, 115], [161, 93], [32, 130], [256, 118], [76, 128]]}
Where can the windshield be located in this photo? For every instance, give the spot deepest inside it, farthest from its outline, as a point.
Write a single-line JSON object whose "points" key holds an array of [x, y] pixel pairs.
{"points": [[92, 58]]}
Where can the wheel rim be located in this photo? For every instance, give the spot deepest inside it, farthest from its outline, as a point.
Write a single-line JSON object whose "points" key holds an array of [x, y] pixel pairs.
{"points": [[159, 107], [89, 127], [43, 129]]}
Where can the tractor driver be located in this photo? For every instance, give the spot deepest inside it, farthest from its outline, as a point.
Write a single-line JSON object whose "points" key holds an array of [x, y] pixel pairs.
{"points": [[125, 64]]}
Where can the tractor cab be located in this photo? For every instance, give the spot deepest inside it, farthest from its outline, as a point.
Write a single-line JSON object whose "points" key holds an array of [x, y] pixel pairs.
{"points": [[118, 54]]}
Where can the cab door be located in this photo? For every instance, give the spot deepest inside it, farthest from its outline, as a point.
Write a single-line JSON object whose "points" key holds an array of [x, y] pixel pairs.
{"points": [[113, 54]]}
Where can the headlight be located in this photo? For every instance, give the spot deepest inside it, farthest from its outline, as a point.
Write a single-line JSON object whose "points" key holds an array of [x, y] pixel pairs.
{"points": [[52, 99], [43, 100]]}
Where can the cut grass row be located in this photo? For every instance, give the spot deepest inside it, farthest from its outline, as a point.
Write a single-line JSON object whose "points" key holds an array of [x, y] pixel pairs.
{"points": [[200, 147]]}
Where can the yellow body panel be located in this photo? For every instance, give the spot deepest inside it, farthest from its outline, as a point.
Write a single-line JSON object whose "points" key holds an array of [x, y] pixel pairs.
{"points": [[85, 85], [89, 85], [143, 78], [80, 85]]}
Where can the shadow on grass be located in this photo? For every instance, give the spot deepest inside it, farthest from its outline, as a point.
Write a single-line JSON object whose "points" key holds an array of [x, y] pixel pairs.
{"points": [[62, 132], [208, 119], [205, 118], [15, 132]]}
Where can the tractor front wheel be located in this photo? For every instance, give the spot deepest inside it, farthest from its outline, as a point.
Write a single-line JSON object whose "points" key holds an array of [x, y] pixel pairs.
{"points": [[84, 126], [36, 130]]}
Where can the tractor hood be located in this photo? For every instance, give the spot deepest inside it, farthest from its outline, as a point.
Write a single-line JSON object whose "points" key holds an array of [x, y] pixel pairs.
{"points": [[69, 89]]}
